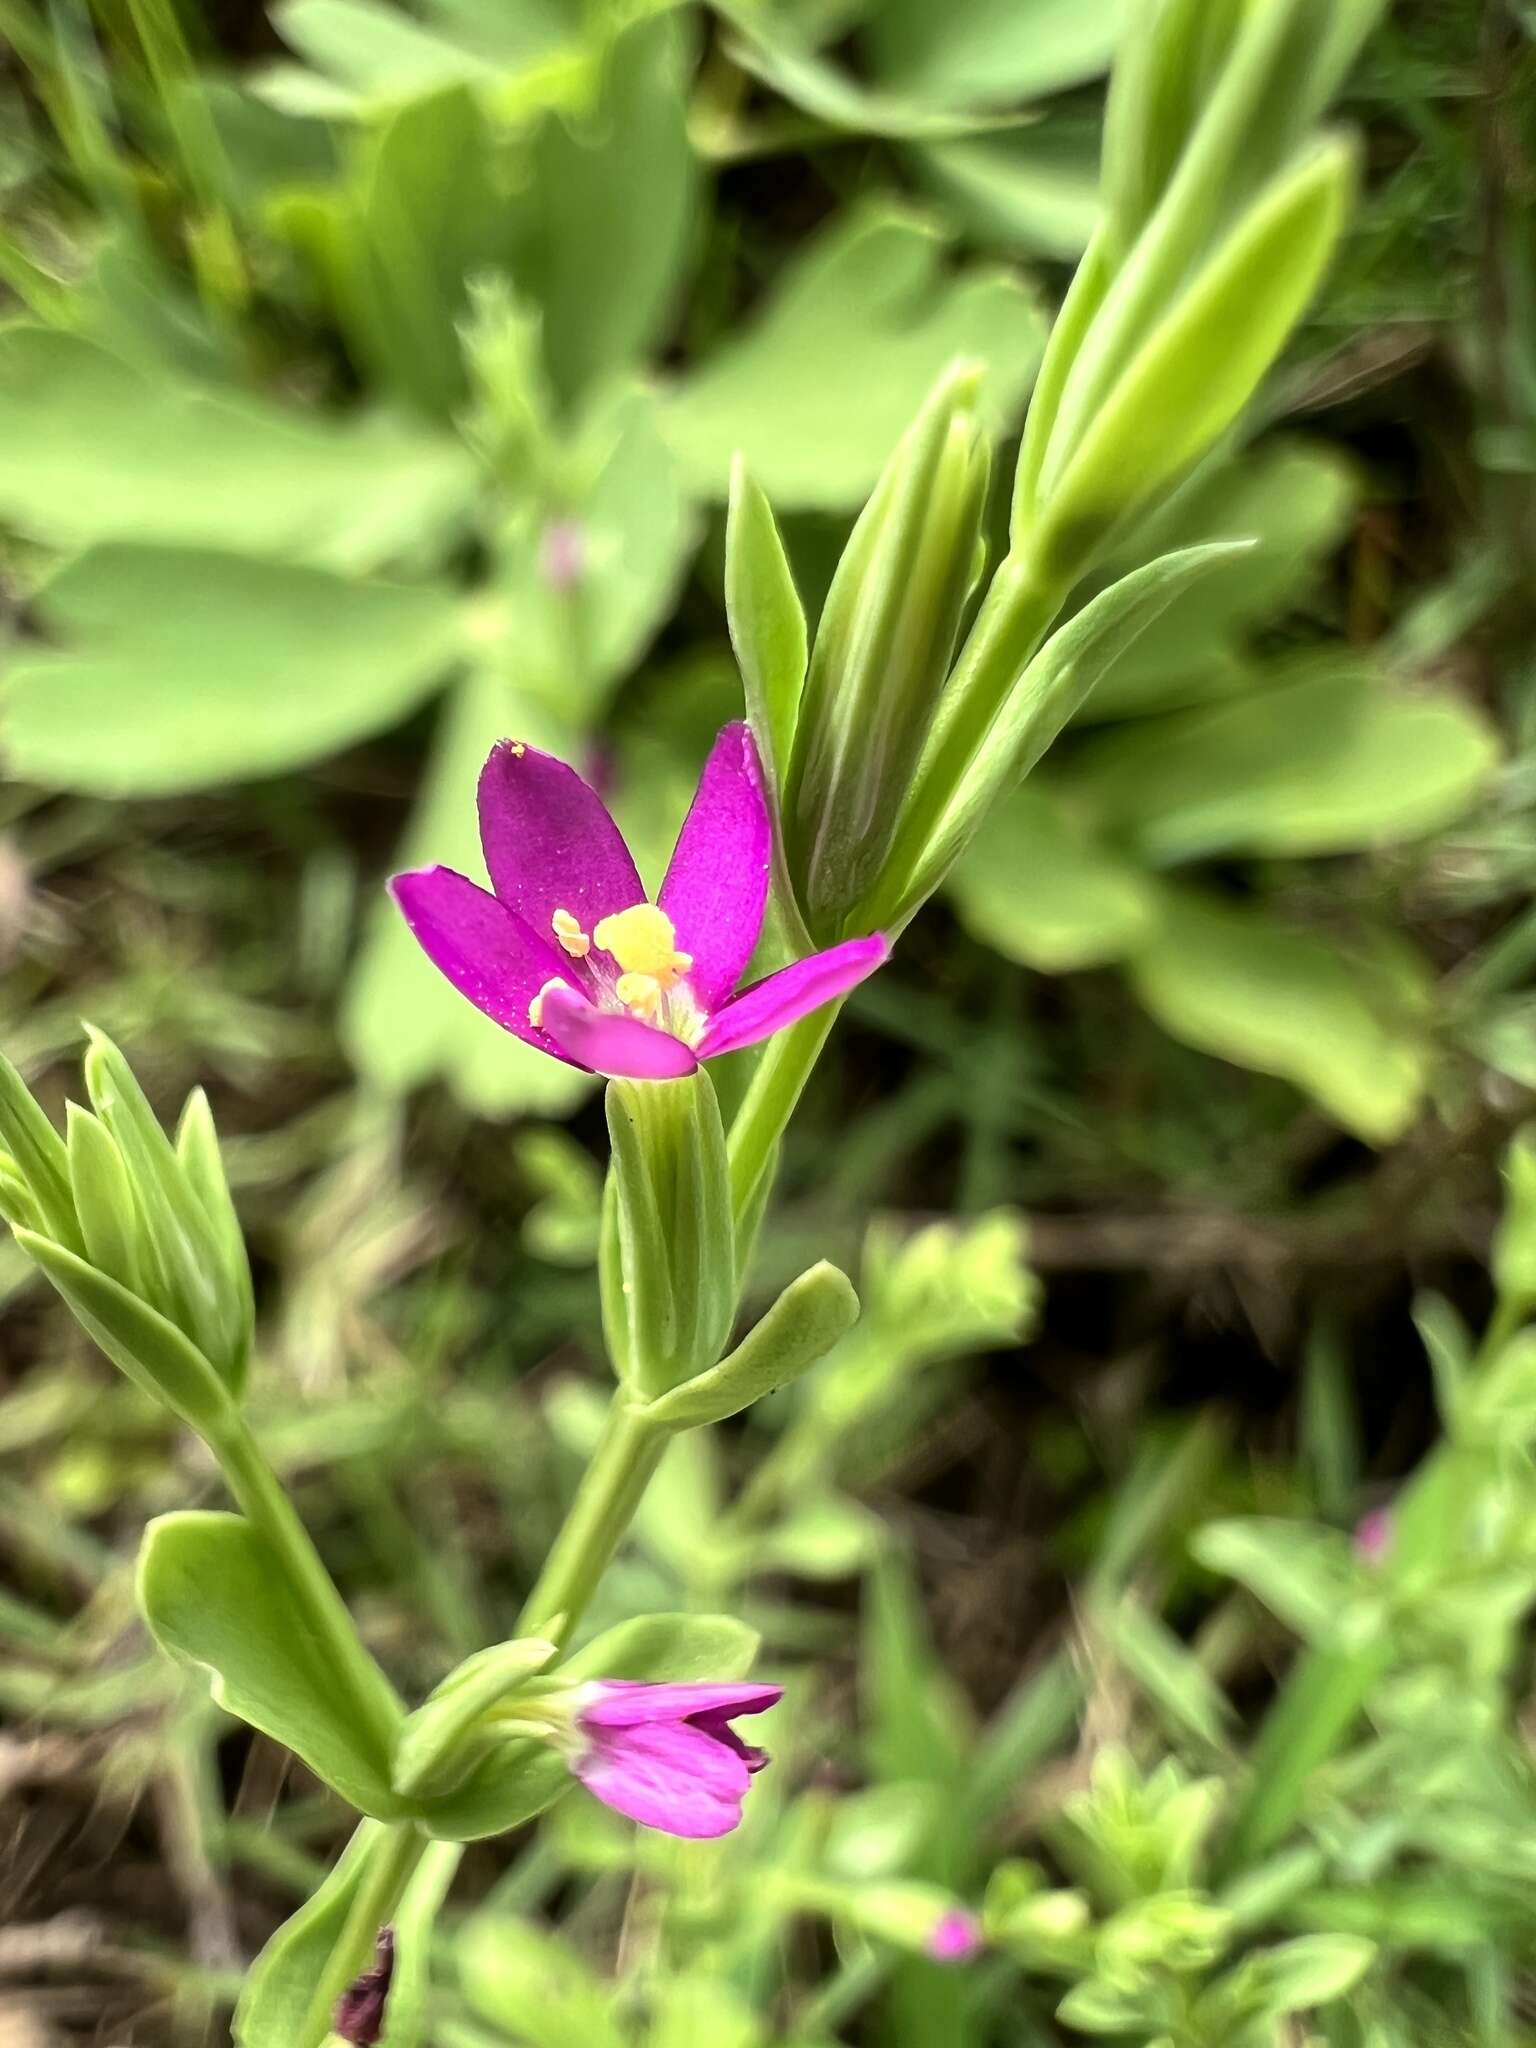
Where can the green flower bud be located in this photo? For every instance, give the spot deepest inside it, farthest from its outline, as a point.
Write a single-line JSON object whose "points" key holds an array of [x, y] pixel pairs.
{"points": [[138, 1237], [667, 1264], [882, 652]]}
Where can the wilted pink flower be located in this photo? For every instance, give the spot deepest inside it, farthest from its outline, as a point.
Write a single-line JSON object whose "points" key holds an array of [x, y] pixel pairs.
{"points": [[955, 1939], [570, 956], [667, 1755], [359, 2016]]}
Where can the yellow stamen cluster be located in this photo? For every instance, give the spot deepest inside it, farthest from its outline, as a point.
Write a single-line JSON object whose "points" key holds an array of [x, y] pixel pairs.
{"points": [[643, 942], [570, 935]]}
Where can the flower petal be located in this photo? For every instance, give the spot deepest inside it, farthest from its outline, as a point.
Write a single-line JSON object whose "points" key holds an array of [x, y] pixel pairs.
{"points": [[549, 841], [620, 1047], [488, 954], [783, 998], [667, 1775], [629, 1702], [716, 888]]}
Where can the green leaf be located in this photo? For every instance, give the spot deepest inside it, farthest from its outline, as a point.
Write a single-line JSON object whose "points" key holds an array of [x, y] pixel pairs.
{"points": [[990, 52], [1329, 759], [276, 1998], [182, 668], [818, 389], [766, 620], [92, 449], [1100, 2008], [403, 1023], [606, 215], [1037, 888], [104, 1199], [212, 1590], [688, 2011], [137, 1338], [1034, 191], [1051, 690], [433, 1743], [1294, 1976], [1237, 983], [810, 1316], [40, 1155], [1201, 363], [1173, 1679]]}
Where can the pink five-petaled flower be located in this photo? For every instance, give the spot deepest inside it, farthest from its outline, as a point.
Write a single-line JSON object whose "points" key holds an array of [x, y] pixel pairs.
{"points": [[667, 1755], [569, 954]]}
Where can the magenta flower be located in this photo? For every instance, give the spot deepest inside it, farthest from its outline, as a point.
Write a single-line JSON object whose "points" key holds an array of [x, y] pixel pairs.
{"points": [[570, 955], [667, 1755], [955, 1939]]}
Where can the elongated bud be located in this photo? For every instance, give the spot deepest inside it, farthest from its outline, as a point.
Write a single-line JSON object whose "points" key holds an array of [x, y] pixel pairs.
{"points": [[140, 1241], [668, 1260], [883, 649]]}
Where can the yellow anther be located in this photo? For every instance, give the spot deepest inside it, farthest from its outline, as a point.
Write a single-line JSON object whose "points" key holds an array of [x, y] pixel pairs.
{"points": [[640, 994], [643, 941], [536, 1007], [570, 935]]}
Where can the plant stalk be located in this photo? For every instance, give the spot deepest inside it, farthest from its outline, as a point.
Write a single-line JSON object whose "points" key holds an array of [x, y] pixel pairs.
{"points": [[621, 1468]]}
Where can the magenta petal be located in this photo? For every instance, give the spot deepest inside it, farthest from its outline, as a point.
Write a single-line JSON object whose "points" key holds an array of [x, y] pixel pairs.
{"points": [[667, 1775], [716, 888], [488, 954], [604, 1043], [628, 1702], [782, 998], [549, 841]]}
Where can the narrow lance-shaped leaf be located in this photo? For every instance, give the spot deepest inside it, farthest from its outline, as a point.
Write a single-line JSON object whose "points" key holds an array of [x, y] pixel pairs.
{"points": [[137, 1338], [104, 1198], [1044, 699], [40, 1156], [1200, 365], [809, 1317], [766, 620]]}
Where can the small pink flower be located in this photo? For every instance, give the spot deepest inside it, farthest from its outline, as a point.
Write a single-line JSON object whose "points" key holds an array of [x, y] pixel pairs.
{"points": [[570, 955], [1373, 1536], [956, 1938], [667, 1756]]}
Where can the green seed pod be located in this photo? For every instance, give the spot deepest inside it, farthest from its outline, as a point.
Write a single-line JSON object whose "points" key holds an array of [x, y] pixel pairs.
{"points": [[884, 647]]}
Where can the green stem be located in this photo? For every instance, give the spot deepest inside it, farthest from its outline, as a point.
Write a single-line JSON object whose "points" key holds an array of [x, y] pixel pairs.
{"points": [[626, 1457], [390, 1870], [261, 1499], [769, 1103]]}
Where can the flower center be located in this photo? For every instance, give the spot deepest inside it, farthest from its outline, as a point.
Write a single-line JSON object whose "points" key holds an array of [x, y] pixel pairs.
{"points": [[642, 943]]}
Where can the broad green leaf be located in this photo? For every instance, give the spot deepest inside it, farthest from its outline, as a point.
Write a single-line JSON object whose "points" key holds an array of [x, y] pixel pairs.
{"points": [[767, 622], [605, 220], [1347, 1029], [534, 1984], [182, 668], [689, 2011], [809, 81], [990, 52], [1096, 2007], [1036, 887], [93, 449], [809, 1317], [215, 1594], [1195, 371], [1034, 191], [403, 1023], [1330, 759], [1293, 1976], [366, 57], [817, 389]]}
